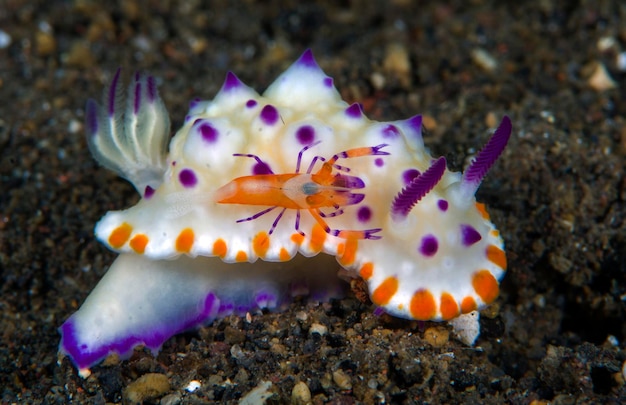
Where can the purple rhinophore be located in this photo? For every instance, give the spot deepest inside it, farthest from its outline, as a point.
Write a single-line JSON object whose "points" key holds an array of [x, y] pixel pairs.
{"points": [[328, 82], [305, 135], [151, 88], [488, 155], [415, 123], [417, 189], [91, 117], [231, 82], [187, 178], [113, 92], [209, 133], [355, 110], [251, 103], [443, 205], [148, 192], [137, 98], [409, 175], [307, 59], [390, 132], [429, 245], [379, 162], [269, 114], [364, 214], [469, 235]]}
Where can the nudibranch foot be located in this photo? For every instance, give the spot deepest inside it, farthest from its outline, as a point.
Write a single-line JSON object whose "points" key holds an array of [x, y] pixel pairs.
{"points": [[132, 143]]}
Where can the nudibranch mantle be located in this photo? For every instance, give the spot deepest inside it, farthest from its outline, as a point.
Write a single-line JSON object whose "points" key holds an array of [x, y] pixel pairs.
{"points": [[279, 177]]}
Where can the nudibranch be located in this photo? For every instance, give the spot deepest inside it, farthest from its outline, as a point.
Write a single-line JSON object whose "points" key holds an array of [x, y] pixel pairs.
{"points": [[279, 177]]}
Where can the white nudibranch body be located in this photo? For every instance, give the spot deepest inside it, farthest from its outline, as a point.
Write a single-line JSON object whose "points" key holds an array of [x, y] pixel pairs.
{"points": [[251, 186]]}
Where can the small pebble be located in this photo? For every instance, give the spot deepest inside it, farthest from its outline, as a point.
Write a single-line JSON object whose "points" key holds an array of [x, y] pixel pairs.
{"points": [[484, 60], [145, 388], [193, 385], [300, 394], [436, 336], [342, 380], [319, 329], [466, 328], [258, 395], [5, 39], [600, 79]]}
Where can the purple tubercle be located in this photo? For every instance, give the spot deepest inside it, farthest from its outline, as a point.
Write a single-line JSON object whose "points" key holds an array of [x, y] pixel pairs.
{"points": [[487, 156], [151, 89], [187, 178], [328, 82], [364, 214], [415, 124], [390, 132], [193, 103], [355, 110], [417, 189], [305, 135], [91, 117], [469, 235], [84, 356], [251, 103], [148, 192], [429, 246], [443, 205], [208, 132], [379, 162], [114, 92], [307, 59], [409, 175], [231, 82], [137, 98], [269, 114]]}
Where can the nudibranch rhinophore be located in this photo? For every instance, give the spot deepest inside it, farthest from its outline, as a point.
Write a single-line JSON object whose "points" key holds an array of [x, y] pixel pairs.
{"points": [[280, 177]]}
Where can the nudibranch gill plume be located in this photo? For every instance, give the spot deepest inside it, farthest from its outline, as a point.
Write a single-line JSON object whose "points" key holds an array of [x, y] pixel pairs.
{"points": [[279, 177]]}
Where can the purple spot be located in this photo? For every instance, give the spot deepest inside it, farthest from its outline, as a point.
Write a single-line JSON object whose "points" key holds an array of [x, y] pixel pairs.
{"points": [[261, 168], [469, 235], [137, 103], [307, 59], [188, 117], [415, 124], [209, 133], [305, 135], [429, 245], [91, 117], [355, 110], [152, 92], [148, 192], [113, 92], [187, 178], [364, 214], [443, 205], [269, 114], [231, 82], [390, 131], [250, 103], [379, 162], [328, 82], [193, 103], [409, 175]]}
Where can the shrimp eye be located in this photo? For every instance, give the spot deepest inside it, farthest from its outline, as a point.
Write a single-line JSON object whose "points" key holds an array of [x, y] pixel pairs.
{"points": [[310, 188]]}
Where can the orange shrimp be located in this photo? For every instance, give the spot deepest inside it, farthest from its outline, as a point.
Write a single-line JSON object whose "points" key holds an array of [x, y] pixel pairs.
{"points": [[302, 191]]}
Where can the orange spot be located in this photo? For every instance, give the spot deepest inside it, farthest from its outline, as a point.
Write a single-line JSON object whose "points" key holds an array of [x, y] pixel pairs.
{"points": [[483, 210], [120, 235], [297, 238], [318, 236], [349, 253], [468, 305], [241, 256], [496, 256], [366, 271], [261, 243], [138, 243], [423, 306], [220, 248], [485, 285], [340, 249], [184, 242], [383, 293], [284, 255], [495, 233], [448, 307]]}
